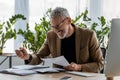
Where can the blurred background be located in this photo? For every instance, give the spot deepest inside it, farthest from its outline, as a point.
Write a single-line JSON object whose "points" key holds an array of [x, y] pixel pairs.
{"points": [[33, 10]]}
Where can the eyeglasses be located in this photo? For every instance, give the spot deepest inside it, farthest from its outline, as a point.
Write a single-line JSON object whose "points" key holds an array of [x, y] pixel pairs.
{"points": [[58, 26]]}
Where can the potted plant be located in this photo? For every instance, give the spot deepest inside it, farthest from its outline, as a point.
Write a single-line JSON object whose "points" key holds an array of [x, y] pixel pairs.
{"points": [[34, 40], [7, 31]]}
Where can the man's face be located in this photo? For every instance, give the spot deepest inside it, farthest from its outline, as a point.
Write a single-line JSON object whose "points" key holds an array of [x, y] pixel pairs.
{"points": [[60, 27]]}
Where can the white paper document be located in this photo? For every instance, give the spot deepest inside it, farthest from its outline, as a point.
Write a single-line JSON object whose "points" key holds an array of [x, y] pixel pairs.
{"points": [[46, 70], [80, 73], [29, 67], [49, 70], [18, 72], [60, 61]]}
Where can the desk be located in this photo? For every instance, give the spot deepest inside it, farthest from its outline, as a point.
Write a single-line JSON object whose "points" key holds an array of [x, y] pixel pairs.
{"points": [[50, 76], [8, 55]]}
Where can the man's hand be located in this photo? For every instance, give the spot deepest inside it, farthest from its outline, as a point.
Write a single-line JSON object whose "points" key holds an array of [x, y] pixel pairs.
{"points": [[73, 67], [22, 53]]}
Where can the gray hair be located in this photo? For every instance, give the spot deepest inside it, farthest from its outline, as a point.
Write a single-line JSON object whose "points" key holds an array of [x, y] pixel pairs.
{"points": [[59, 11]]}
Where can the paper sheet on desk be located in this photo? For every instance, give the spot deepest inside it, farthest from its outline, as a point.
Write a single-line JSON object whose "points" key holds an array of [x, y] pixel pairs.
{"points": [[49, 70], [61, 61], [17, 72], [80, 73], [28, 67], [46, 70]]}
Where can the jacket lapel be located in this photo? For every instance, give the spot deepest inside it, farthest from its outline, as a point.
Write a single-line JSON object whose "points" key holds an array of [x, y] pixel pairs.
{"points": [[77, 43], [58, 46]]}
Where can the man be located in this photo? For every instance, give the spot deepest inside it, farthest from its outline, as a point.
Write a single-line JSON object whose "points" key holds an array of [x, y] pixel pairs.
{"points": [[79, 46]]}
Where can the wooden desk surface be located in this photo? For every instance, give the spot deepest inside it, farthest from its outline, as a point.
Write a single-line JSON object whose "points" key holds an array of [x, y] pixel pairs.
{"points": [[50, 76]]}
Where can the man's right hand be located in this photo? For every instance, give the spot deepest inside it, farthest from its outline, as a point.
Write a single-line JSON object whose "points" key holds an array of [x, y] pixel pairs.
{"points": [[22, 53]]}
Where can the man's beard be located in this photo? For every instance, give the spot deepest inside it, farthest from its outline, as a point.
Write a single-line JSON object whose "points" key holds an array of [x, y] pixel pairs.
{"points": [[65, 34]]}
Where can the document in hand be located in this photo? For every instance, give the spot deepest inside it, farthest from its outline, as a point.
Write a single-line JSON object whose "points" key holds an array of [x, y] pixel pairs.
{"points": [[18, 72], [61, 61], [29, 67]]}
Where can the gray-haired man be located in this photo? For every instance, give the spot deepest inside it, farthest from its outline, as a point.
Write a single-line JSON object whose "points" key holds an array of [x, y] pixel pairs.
{"points": [[79, 46]]}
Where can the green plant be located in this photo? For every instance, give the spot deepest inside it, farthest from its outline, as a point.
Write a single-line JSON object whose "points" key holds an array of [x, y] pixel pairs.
{"points": [[7, 31], [34, 40], [102, 27], [103, 32]]}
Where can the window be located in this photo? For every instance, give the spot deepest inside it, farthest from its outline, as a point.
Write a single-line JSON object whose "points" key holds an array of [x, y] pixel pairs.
{"points": [[111, 9], [37, 8], [6, 11], [34, 10]]}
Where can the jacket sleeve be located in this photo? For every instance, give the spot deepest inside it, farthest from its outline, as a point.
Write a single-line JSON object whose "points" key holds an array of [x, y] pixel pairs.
{"points": [[96, 57], [43, 52]]}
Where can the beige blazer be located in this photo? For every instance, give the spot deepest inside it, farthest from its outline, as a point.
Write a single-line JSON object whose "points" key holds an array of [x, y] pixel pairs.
{"points": [[88, 52]]}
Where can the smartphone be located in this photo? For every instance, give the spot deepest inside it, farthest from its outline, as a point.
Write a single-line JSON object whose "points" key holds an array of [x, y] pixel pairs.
{"points": [[66, 78]]}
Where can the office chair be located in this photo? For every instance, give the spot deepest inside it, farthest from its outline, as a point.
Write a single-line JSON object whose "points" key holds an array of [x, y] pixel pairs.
{"points": [[104, 54]]}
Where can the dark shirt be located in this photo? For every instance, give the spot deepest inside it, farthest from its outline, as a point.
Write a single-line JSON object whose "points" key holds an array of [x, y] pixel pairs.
{"points": [[68, 48]]}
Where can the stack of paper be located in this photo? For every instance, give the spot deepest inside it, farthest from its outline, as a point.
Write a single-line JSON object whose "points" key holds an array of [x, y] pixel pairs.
{"points": [[49, 70], [18, 72], [29, 67], [46, 70]]}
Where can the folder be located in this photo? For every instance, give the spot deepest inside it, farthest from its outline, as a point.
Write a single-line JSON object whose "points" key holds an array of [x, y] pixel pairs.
{"points": [[17, 72]]}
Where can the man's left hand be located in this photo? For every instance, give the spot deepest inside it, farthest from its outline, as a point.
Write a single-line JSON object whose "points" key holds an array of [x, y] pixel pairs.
{"points": [[73, 67]]}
